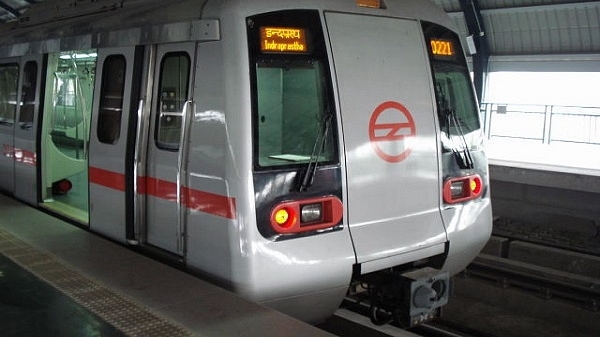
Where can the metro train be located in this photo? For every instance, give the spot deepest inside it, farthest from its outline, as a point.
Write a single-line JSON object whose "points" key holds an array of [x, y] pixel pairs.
{"points": [[292, 151]]}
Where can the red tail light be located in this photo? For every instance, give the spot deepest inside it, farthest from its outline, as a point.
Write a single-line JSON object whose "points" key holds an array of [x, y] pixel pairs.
{"points": [[462, 189], [306, 215]]}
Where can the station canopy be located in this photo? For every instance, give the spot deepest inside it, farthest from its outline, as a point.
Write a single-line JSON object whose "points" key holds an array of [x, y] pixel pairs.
{"points": [[528, 34]]}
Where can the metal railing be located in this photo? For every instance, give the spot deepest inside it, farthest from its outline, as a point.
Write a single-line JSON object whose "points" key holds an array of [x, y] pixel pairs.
{"points": [[542, 123]]}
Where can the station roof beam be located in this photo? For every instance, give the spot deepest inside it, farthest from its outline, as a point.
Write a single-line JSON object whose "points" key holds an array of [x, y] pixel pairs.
{"points": [[478, 38], [11, 10]]}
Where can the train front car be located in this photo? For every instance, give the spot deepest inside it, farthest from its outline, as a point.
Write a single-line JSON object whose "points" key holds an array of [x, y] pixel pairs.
{"points": [[367, 166], [290, 150]]}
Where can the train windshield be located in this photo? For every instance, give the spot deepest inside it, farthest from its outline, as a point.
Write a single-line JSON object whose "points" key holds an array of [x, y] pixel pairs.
{"points": [[456, 102], [291, 90]]}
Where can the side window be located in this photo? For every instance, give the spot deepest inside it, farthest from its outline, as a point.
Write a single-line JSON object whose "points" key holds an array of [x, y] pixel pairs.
{"points": [[111, 99], [8, 93], [173, 90], [28, 93]]}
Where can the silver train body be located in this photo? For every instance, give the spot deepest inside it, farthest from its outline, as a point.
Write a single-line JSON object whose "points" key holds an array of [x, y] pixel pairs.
{"points": [[288, 150]]}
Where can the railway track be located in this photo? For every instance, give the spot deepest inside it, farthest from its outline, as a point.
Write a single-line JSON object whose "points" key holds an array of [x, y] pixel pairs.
{"points": [[352, 319], [550, 260], [582, 290], [532, 275], [581, 236], [444, 328]]}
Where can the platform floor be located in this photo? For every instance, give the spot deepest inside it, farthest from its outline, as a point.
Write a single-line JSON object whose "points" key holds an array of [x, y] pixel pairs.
{"points": [[59, 280], [559, 157], [31, 307]]}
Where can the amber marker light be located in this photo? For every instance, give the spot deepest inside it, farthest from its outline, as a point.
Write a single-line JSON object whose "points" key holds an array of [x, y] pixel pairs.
{"points": [[475, 184], [284, 217]]}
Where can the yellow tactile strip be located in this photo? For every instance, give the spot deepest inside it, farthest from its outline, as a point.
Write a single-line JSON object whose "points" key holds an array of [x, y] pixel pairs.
{"points": [[113, 308]]}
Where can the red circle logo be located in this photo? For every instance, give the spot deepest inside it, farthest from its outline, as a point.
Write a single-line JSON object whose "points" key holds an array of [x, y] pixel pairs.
{"points": [[390, 124]]}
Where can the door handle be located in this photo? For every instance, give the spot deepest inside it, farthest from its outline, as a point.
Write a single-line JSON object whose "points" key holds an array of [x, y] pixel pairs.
{"points": [[187, 113]]}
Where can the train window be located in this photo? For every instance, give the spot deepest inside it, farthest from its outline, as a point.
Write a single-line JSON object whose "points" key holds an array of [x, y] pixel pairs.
{"points": [[28, 91], [456, 102], [111, 99], [292, 114], [173, 92], [8, 93]]}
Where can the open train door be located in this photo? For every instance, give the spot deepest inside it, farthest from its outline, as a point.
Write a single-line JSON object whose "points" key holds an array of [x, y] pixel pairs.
{"points": [[112, 141], [387, 113], [64, 133], [166, 154]]}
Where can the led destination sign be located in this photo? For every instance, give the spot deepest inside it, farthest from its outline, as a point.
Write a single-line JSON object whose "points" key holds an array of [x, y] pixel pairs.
{"points": [[442, 48], [283, 40]]}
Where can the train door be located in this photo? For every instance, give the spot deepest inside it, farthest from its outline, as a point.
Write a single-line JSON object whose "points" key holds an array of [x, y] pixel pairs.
{"points": [[172, 93], [69, 89], [25, 148], [393, 187], [112, 140], [9, 79]]}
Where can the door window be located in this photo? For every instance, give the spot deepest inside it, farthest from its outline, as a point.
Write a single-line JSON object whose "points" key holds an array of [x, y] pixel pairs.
{"points": [[173, 91], [111, 99], [8, 93], [28, 89]]}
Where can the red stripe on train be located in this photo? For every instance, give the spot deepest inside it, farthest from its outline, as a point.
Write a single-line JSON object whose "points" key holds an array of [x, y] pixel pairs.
{"points": [[19, 155], [211, 203], [160, 188], [193, 199], [106, 178]]}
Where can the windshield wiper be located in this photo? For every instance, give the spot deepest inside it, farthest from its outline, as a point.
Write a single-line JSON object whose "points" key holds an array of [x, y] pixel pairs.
{"points": [[308, 175], [463, 157]]}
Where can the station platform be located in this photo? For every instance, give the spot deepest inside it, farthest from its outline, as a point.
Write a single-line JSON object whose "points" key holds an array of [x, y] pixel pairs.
{"points": [[570, 158], [59, 280]]}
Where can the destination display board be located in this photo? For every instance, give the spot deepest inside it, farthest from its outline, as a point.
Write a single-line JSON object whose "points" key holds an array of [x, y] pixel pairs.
{"points": [[283, 40]]}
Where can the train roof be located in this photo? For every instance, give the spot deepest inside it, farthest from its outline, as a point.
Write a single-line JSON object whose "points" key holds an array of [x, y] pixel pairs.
{"points": [[53, 26]]}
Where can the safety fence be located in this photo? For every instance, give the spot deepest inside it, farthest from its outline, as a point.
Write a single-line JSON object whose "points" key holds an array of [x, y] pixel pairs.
{"points": [[542, 123]]}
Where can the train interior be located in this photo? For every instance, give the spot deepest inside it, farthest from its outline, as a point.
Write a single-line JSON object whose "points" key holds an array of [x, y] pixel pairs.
{"points": [[65, 132]]}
